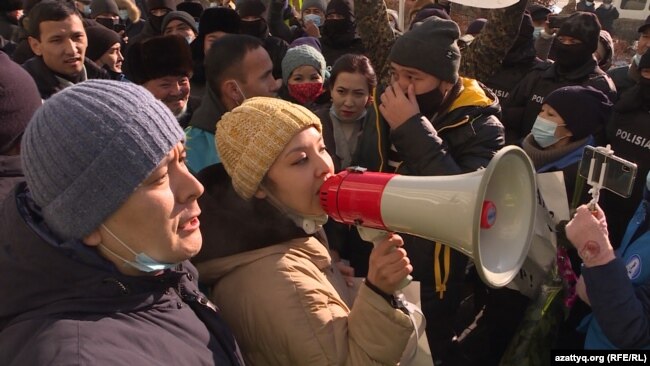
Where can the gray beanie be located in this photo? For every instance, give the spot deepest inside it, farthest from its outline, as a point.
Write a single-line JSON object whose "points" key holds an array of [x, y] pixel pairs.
{"points": [[183, 17], [430, 47], [302, 55], [320, 4], [89, 147]]}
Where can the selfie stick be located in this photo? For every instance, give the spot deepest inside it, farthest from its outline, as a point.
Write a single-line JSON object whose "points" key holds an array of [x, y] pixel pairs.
{"points": [[596, 186]]}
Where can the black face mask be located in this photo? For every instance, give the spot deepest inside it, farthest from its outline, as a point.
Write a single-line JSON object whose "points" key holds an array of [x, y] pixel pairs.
{"points": [[106, 22], [334, 28], [156, 22], [430, 102], [570, 57], [256, 28], [644, 92]]}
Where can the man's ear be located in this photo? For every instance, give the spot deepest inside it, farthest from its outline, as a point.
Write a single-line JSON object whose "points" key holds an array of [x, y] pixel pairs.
{"points": [[93, 239], [231, 90], [35, 45]]}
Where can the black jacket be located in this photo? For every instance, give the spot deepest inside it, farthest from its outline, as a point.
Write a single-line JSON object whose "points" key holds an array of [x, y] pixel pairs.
{"points": [[629, 134], [516, 65], [525, 100], [63, 303], [46, 79]]}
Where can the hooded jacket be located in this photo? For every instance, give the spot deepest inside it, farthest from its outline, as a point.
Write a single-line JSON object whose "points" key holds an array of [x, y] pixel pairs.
{"points": [[63, 303], [280, 293], [201, 149]]}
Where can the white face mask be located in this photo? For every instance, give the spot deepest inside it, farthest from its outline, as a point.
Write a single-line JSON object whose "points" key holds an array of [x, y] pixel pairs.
{"points": [[143, 262], [123, 14], [313, 18], [544, 132], [589, 3]]}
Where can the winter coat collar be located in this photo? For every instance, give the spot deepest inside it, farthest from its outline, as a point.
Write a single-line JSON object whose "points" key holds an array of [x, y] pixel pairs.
{"points": [[307, 247], [209, 113], [49, 83], [588, 68], [47, 275], [231, 225], [474, 101]]}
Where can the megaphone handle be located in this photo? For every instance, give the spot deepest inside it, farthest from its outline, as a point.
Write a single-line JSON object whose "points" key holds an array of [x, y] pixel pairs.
{"points": [[376, 236]]}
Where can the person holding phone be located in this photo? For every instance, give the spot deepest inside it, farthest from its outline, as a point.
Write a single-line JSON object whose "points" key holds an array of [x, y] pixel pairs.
{"points": [[615, 283]]}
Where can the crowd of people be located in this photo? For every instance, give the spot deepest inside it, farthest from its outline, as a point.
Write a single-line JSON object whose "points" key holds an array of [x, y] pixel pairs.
{"points": [[161, 162]]}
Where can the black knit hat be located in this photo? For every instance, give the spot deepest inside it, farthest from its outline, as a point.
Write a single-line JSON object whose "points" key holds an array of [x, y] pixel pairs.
{"points": [[99, 7], [219, 19], [340, 7], [590, 117], [19, 99], [10, 5], [158, 57], [538, 12], [645, 25], [193, 8], [583, 26], [430, 47], [183, 17], [428, 12], [161, 4], [100, 40], [251, 8]]}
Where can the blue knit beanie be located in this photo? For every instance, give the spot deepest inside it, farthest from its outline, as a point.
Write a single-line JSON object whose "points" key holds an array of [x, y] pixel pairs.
{"points": [[88, 148], [303, 55]]}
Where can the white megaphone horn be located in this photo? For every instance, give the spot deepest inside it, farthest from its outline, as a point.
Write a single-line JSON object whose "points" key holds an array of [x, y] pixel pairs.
{"points": [[488, 215]]}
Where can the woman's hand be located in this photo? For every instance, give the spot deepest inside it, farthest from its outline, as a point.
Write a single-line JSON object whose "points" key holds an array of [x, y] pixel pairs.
{"points": [[588, 233], [389, 264]]}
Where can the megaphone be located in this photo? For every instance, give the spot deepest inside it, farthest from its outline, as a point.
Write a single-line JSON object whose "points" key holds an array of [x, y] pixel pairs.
{"points": [[488, 214]]}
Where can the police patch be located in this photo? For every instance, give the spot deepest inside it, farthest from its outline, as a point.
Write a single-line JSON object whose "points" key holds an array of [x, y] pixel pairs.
{"points": [[633, 266]]}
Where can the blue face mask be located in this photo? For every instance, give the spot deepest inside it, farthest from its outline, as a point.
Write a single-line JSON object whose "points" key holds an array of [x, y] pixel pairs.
{"points": [[143, 262], [544, 132], [123, 14], [87, 10], [537, 32], [314, 18]]}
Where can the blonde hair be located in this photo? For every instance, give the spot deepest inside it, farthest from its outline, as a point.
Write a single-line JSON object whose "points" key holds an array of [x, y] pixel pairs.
{"points": [[129, 5]]}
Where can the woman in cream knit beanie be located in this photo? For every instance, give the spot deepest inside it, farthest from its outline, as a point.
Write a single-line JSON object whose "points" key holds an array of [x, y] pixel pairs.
{"points": [[267, 259]]}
